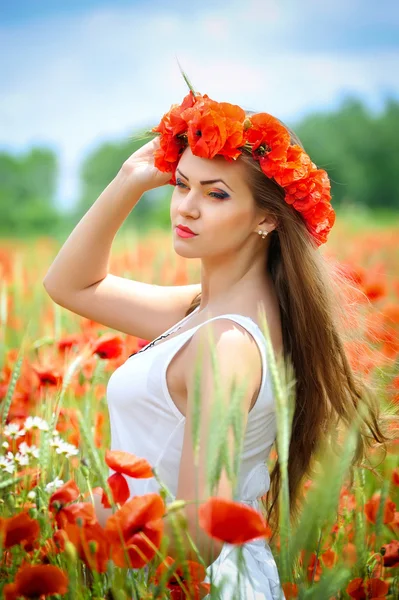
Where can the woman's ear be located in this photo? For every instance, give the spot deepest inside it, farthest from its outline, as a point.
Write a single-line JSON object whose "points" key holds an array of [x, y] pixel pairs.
{"points": [[269, 222]]}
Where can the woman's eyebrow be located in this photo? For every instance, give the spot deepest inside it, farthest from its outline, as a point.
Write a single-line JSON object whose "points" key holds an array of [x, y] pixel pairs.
{"points": [[207, 180]]}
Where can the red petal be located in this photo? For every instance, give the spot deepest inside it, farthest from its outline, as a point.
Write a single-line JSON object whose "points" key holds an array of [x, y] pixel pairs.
{"points": [[34, 580], [18, 529], [11, 592], [128, 464], [137, 546], [232, 522], [134, 515], [79, 510], [119, 488], [66, 493]]}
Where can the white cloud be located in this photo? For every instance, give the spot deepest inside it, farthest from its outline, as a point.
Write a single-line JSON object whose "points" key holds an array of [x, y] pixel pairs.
{"points": [[74, 81]]}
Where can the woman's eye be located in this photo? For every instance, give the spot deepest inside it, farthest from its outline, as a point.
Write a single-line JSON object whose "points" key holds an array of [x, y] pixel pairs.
{"points": [[179, 183], [219, 196]]}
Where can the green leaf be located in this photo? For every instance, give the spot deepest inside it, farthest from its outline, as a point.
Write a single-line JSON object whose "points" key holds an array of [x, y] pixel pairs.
{"points": [[186, 79]]}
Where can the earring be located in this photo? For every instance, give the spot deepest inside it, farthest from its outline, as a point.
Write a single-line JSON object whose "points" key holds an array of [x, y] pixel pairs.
{"points": [[263, 234]]}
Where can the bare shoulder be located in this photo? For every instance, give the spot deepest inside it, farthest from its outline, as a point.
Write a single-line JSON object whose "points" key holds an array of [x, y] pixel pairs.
{"points": [[237, 353]]}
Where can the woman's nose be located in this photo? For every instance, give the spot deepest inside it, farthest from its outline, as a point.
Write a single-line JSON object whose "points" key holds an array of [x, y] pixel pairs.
{"points": [[188, 205]]}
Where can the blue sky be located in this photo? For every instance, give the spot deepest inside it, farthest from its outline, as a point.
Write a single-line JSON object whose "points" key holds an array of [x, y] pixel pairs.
{"points": [[78, 72]]}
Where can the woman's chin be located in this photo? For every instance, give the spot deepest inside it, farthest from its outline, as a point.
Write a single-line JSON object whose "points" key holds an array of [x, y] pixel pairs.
{"points": [[185, 252]]}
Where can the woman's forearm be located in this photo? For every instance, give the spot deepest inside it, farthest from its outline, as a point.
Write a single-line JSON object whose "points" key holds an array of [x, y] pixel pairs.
{"points": [[83, 259]]}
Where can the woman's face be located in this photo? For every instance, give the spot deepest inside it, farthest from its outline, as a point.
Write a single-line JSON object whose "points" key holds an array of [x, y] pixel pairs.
{"points": [[223, 214]]}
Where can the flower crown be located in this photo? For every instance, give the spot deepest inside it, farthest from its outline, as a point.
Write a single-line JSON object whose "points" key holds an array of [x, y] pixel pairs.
{"points": [[212, 128]]}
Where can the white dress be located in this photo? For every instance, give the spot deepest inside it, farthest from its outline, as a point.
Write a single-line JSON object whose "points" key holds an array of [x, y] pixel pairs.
{"points": [[145, 421]]}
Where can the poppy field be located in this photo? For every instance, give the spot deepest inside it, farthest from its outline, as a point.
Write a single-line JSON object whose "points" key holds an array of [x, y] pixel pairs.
{"points": [[55, 455]]}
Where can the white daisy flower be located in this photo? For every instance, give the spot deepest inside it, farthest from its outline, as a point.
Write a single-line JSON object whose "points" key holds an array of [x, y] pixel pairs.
{"points": [[6, 464], [21, 459], [29, 450], [53, 485], [36, 423], [5, 445], [56, 441], [66, 449], [13, 431]]}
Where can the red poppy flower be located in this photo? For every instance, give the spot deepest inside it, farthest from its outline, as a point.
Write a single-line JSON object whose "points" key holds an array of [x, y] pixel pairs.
{"points": [[391, 554], [206, 133], [372, 506], [84, 511], [390, 313], [296, 165], [329, 558], [172, 123], [171, 126], [98, 429], [68, 424], [140, 517], [235, 136], [355, 589], [92, 544], [305, 193], [375, 289], [290, 590], [67, 341], [267, 131], [119, 488], [108, 346], [60, 537], [319, 220], [374, 588], [194, 582], [232, 522], [31, 478], [166, 157], [66, 493], [377, 588], [32, 581], [349, 554], [128, 464], [314, 569], [19, 528]]}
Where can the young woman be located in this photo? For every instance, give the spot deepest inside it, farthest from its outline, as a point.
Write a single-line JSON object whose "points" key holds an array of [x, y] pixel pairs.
{"points": [[258, 209]]}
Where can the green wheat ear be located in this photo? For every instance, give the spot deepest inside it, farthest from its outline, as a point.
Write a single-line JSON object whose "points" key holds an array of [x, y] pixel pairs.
{"points": [[186, 79]]}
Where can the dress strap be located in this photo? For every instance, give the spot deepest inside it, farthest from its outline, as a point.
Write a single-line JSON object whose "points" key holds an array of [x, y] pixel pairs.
{"points": [[169, 331]]}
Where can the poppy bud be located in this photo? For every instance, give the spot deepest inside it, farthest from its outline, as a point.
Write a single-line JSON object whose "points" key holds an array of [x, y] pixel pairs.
{"points": [[176, 505], [33, 513], [70, 551], [10, 500], [85, 471], [79, 522], [93, 546]]}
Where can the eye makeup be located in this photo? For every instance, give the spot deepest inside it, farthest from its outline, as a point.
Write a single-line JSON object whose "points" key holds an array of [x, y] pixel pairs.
{"points": [[214, 194]]}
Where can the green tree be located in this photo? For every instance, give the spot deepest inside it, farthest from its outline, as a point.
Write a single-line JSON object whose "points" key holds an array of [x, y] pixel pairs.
{"points": [[357, 149], [101, 166], [27, 192]]}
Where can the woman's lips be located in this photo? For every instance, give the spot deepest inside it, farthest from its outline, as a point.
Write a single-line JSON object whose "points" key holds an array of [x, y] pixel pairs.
{"points": [[184, 234]]}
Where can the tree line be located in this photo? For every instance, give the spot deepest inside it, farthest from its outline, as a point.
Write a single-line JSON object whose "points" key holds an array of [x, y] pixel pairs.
{"points": [[354, 145]]}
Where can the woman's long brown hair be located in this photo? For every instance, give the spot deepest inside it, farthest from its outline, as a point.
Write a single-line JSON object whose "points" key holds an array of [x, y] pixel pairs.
{"points": [[315, 317]]}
